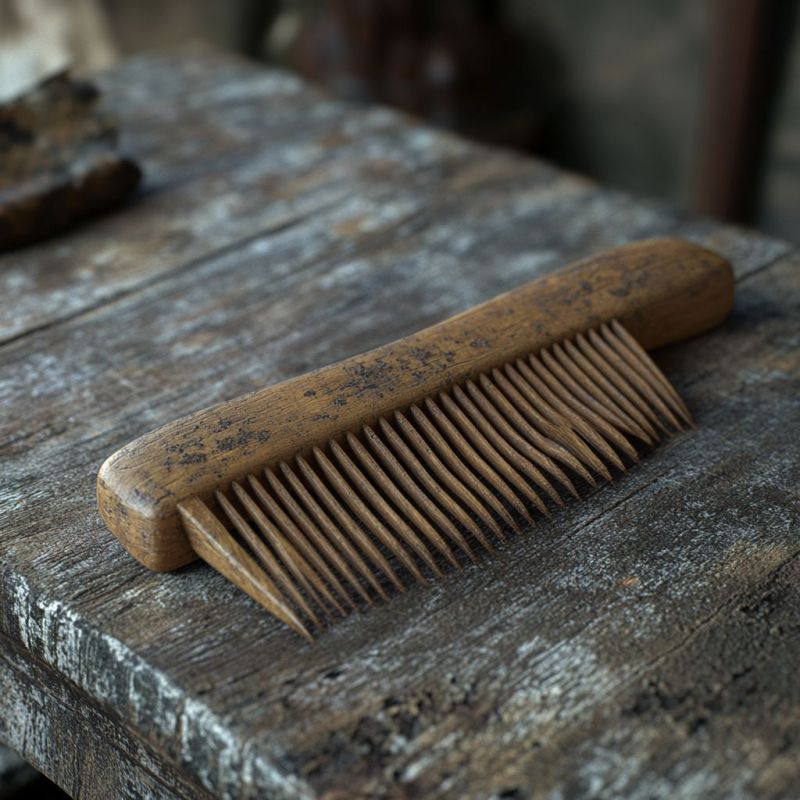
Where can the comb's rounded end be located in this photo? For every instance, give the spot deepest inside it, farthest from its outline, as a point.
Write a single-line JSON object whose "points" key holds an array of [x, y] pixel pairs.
{"points": [[683, 288], [151, 531]]}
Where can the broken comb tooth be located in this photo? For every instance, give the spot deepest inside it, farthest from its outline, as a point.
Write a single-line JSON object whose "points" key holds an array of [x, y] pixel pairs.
{"points": [[366, 485]]}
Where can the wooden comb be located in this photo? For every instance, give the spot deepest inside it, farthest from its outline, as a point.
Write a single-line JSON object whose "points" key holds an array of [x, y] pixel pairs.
{"points": [[334, 487]]}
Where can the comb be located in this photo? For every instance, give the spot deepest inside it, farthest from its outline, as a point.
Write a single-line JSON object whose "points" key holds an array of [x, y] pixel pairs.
{"points": [[330, 491]]}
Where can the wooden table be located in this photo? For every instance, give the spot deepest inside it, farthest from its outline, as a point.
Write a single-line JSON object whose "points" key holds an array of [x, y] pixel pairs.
{"points": [[645, 643]]}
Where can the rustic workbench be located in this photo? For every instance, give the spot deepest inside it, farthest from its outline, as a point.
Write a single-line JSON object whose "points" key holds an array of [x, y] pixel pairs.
{"points": [[644, 643]]}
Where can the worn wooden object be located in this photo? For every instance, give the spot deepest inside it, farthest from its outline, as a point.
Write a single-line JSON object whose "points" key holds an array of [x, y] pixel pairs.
{"points": [[663, 291], [59, 161], [643, 643]]}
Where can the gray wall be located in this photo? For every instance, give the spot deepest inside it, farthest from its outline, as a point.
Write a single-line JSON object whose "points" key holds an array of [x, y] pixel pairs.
{"points": [[780, 204], [630, 77]]}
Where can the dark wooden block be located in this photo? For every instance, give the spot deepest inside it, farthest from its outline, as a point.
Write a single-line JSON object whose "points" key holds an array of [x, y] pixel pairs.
{"points": [[59, 161]]}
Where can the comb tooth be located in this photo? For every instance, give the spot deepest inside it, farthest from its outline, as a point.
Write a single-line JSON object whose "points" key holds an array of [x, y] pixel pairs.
{"points": [[391, 490], [455, 463], [401, 476], [621, 384], [458, 487], [545, 379], [504, 459], [571, 387], [480, 465], [633, 377], [436, 489], [557, 429], [597, 386], [481, 423], [637, 357], [598, 373], [298, 539], [524, 446], [349, 524], [271, 564], [530, 432], [315, 534], [334, 533], [217, 547], [381, 507], [286, 551], [524, 379], [359, 508]]}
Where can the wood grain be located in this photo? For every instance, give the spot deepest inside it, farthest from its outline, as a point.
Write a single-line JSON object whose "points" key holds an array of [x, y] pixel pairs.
{"points": [[643, 644]]}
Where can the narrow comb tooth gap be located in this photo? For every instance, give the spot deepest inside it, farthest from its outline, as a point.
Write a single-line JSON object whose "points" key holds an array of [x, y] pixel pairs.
{"points": [[633, 378], [268, 558], [568, 429], [282, 547], [556, 429], [314, 533], [523, 445], [336, 534], [570, 388], [640, 361], [456, 464], [534, 368], [382, 509], [266, 542], [414, 491], [309, 551], [600, 376], [247, 537], [393, 491], [480, 423], [349, 523], [621, 383], [553, 448], [443, 491], [480, 466], [221, 549], [638, 358], [640, 355], [365, 516], [315, 569], [448, 478], [502, 459], [524, 379], [606, 395]]}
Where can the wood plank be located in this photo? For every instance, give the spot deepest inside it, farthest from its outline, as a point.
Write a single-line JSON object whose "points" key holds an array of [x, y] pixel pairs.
{"points": [[533, 603], [73, 742], [228, 153], [637, 644], [231, 152]]}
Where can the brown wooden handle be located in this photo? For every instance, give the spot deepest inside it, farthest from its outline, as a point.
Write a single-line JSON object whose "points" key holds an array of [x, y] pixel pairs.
{"points": [[662, 290]]}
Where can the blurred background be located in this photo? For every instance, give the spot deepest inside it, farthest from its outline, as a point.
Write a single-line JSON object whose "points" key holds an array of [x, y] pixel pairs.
{"points": [[693, 101], [696, 102]]}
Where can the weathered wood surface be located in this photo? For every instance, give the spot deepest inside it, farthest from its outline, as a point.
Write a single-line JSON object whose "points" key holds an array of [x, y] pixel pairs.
{"points": [[644, 643]]}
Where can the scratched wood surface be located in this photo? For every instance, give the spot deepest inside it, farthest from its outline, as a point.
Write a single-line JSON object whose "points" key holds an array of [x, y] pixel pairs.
{"points": [[644, 643]]}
